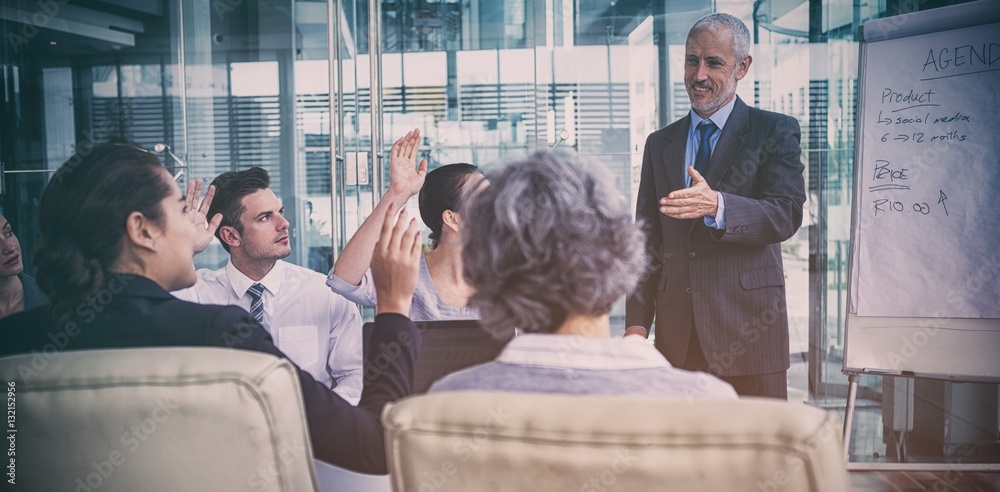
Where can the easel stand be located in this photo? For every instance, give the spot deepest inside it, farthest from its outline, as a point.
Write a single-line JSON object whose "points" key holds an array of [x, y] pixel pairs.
{"points": [[852, 395]]}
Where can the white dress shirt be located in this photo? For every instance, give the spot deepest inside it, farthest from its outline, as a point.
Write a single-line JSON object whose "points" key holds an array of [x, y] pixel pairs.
{"points": [[319, 331]]}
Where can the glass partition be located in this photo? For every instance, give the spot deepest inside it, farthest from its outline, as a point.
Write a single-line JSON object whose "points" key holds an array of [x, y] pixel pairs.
{"points": [[223, 85]]}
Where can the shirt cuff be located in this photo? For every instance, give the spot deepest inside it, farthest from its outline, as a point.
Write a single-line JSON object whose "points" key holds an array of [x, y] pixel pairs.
{"points": [[719, 222], [361, 294], [348, 392]]}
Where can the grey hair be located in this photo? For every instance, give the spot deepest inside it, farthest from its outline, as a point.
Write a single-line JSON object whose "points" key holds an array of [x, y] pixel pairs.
{"points": [[548, 238], [728, 23]]}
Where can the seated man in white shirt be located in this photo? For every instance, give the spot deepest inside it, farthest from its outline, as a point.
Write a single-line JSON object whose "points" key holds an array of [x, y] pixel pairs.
{"points": [[318, 330]]}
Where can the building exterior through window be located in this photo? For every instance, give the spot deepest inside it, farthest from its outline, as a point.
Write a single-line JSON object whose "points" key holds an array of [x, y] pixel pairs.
{"points": [[221, 85]]}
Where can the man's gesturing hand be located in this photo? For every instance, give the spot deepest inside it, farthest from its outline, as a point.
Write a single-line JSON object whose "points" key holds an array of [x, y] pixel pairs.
{"points": [[694, 202]]}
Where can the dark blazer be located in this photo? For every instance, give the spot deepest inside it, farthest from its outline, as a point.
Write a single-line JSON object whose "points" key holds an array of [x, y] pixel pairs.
{"points": [[33, 296], [729, 284], [133, 311]]}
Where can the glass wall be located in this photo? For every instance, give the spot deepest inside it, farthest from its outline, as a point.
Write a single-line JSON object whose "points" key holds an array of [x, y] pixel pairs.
{"points": [[226, 84]]}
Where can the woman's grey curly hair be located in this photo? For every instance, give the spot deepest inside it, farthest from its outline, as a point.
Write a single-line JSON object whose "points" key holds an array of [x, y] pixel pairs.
{"points": [[548, 238]]}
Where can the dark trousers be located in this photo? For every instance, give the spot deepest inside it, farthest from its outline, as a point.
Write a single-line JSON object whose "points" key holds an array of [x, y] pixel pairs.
{"points": [[770, 385]]}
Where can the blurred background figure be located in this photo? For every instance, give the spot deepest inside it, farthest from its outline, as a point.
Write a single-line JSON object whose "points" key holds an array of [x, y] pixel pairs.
{"points": [[442, 292], [18, 291], [548, 247]]}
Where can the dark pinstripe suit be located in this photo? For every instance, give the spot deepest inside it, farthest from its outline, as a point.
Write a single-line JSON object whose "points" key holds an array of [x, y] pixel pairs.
{"points": [[728, 285]]}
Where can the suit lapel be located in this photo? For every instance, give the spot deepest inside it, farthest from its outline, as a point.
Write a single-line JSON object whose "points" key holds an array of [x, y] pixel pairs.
{"points": [[730, 143], [673, 154]]}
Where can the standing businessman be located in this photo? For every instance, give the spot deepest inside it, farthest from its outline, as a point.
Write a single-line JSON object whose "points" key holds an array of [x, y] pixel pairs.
{"points": [[719, 190]]}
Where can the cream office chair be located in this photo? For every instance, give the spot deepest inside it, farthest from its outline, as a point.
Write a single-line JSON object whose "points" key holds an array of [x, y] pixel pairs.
{"points": [[156, 419], [522, 442]]}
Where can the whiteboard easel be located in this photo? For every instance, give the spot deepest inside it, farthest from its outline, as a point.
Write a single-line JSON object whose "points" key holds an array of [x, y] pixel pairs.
{"points": [[923, 281]]}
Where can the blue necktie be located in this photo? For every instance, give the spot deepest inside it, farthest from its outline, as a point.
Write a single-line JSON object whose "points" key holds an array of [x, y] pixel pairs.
{"points": [[705, 130], [256, 292]]}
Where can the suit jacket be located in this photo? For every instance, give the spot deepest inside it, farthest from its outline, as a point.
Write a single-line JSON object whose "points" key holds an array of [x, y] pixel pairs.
{"points": [[728, 284], [33, 296], [133, 311]]}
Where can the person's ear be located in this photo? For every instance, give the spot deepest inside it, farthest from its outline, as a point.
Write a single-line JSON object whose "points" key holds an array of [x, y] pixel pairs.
{"points": [[451, 219], [230, 236], [142, 231], [743, 67]]}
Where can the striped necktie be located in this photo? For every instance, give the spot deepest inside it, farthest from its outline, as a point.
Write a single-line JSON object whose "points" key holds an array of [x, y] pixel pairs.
{"points": [[256, 292]]}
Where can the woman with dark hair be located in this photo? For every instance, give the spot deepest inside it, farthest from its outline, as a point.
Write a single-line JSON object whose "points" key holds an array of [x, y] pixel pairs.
{"points": [[118, 235], [441, 292], [18, 291]]}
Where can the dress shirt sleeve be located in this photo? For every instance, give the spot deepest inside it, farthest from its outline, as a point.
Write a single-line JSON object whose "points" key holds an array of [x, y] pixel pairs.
{"points": [[719, 222], [344, 362], [362, 294]]}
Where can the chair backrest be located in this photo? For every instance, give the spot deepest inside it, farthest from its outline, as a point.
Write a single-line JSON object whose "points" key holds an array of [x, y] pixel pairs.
{"points": [[457, 441], [157, 419], [447, 346]]}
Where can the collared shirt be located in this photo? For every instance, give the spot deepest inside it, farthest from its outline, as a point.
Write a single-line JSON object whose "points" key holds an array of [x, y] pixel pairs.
{"points": [[571, 364], [427, 302], [691, 151], [319, 331]]}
